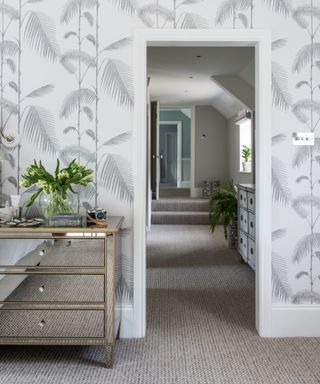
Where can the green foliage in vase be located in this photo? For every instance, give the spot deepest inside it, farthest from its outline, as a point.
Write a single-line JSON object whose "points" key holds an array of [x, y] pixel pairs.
{"points": [[58, 184], [246, 153], [223, 207]]}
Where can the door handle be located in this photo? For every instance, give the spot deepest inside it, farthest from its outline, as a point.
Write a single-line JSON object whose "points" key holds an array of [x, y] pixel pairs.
{"points": [[157, 157]]}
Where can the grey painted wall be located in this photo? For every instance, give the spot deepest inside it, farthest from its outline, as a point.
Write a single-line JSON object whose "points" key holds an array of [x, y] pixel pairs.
{"points": [[233, 138], [211, 160]]}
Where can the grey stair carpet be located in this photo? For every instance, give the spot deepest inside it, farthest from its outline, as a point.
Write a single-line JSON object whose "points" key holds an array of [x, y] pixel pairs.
{"points": [[174, 192], [200, 328], [180, 211]]}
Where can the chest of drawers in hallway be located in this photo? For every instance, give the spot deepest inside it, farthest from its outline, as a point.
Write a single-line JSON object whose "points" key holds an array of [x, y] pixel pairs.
{"points": [[246, 223]]}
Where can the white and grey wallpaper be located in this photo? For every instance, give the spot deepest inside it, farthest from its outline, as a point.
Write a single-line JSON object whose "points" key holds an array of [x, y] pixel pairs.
{"points": [[66, 87]]}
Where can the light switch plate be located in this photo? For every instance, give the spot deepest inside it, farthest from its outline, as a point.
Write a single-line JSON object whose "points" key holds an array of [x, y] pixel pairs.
{"points": [[303, 138]]}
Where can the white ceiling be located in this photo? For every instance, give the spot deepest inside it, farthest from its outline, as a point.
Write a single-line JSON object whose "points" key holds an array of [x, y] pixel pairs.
{"points": [[170, 69]]}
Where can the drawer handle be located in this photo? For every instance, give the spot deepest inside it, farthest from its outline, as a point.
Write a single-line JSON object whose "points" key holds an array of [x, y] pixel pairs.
{"points": [[41, 289], [42, 323], [251, 250], [69, 243], [251, 224], [251, 201]]}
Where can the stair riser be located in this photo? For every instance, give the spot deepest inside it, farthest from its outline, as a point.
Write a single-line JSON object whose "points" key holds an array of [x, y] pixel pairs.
{"points": [[184, 206], [191, 219]]}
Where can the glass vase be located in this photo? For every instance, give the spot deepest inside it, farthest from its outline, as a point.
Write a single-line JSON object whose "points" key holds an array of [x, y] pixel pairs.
{"points": [[54, 204]]}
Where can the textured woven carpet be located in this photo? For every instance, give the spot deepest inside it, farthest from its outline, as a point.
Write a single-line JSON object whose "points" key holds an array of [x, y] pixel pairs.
{"points": [[180, 211], [200, 328]]}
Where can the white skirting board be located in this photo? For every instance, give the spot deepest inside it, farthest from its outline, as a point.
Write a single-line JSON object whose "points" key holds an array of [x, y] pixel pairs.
{"points": [[295, 321], [127, 326], [287, 321]]}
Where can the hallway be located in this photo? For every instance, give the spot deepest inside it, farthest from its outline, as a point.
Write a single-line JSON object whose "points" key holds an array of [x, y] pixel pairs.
{"points": [[200, 318]]}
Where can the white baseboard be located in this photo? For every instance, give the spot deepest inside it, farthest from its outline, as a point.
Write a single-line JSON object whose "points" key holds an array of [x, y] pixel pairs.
{"points": [[287, 321], [186, 184], [127, 327], [295, 321]]}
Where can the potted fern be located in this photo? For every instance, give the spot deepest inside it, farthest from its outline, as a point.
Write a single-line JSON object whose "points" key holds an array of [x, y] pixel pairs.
{"points": [[223, 209], [246, 157]]}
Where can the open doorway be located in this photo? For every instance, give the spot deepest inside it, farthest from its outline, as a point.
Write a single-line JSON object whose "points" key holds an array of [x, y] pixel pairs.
{"points": [[260, 152], [218, 83]]}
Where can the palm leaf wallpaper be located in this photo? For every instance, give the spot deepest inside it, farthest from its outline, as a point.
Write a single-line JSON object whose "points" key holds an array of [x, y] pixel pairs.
{"points": [[66, 86]]}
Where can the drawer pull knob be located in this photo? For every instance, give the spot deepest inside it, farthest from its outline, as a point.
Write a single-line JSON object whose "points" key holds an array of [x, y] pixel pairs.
{"points": [[42, 323], [41, 289]]}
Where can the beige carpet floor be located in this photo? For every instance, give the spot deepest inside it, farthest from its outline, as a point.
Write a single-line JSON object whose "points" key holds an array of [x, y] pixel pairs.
{"points": [[200, 328]]}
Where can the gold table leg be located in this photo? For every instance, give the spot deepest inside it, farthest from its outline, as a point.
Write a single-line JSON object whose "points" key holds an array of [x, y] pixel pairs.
{"points": [[109, 349]]}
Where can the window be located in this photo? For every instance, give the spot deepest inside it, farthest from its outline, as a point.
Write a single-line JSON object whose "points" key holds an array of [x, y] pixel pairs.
{"points": [[245, 141]]}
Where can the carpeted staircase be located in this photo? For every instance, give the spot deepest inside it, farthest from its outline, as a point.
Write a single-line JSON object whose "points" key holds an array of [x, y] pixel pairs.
{"points": [[180, 211]]}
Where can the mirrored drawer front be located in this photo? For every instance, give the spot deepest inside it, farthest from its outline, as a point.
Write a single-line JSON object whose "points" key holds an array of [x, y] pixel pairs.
{"points": [[243, 245], [252, 225], [243, 220], [251, 253], [243, 198], [51, 323], [65, 288], [251, 201], [61, 252]]}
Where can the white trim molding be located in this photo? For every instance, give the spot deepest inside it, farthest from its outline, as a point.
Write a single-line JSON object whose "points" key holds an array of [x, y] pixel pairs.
{"points": [[178, 124], [261, 40], [295, 321]]}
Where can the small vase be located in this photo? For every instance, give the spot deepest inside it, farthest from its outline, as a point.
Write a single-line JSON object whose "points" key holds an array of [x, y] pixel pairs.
{"points": [[246, 166], [54, 204]]}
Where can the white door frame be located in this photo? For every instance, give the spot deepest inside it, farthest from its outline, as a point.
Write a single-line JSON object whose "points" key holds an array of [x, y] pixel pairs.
{"points": [[261, 40], [179, 147]]}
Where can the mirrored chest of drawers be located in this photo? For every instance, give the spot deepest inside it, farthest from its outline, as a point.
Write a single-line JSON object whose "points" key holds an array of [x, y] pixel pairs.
{"points": [[58, 286], [246, 223]]}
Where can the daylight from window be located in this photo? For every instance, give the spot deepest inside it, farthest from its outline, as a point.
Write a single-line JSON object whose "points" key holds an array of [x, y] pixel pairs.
{"points": [[245, 146]]}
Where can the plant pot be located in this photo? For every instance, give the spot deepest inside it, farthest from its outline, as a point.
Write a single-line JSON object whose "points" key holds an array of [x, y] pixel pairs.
{"points": [[246, 166], [232, 234], [55, 204]]}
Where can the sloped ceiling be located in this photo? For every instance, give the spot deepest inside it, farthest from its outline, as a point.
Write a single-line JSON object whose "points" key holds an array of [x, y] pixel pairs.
{"points": [[183, 76]]}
